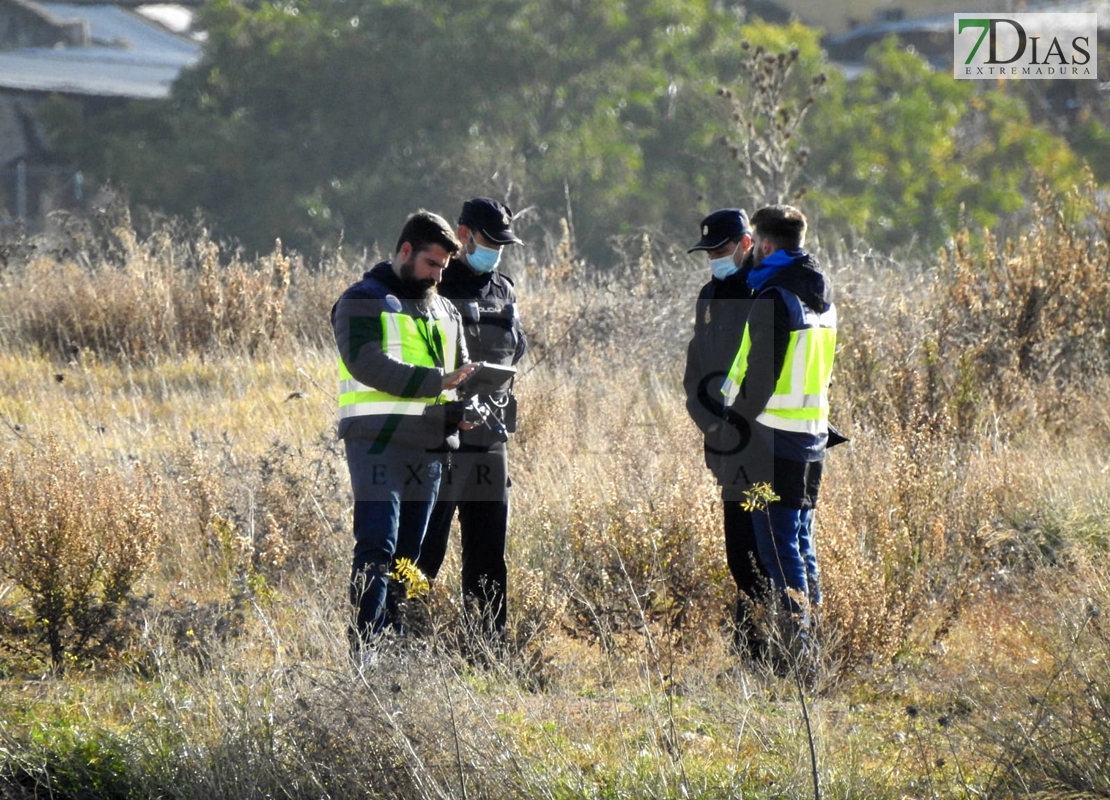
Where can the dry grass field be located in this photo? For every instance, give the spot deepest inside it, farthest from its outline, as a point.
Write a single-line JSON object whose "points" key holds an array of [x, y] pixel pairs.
{"points": [[174, 540]]}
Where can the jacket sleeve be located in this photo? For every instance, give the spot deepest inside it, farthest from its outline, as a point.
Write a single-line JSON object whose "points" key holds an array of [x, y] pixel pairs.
{"points": [[517, 327], [357, 324], [521, 340], [769, 325], [703, 402], [462, 354]]}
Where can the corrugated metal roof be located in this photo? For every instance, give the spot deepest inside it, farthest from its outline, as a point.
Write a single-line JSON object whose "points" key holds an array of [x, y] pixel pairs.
{"points": [[111, 25], [129, 57]]}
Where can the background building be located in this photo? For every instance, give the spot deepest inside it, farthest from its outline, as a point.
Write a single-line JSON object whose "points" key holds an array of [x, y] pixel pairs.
{"points": [[101, 55]]}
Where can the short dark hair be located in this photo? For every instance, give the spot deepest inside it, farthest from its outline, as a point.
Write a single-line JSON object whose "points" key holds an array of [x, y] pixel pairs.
{"points": [[783, 226], [423, 229]]}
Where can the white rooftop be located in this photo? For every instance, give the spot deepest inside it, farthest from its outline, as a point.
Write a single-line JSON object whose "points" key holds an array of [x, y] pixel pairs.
{"points": [[129, 56]]}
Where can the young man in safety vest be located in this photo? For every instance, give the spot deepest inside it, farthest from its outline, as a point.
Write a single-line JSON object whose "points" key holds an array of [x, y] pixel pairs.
{"points": [[476, 484], [779, 380], [401, 353]]}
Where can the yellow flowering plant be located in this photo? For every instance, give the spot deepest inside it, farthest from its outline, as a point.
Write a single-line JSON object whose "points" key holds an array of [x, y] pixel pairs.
{"points": [[416, 582], [759, 497]]}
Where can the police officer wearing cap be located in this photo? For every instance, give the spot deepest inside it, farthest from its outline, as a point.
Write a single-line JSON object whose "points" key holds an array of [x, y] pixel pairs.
{"points": [[721, 311], [476, 483]]}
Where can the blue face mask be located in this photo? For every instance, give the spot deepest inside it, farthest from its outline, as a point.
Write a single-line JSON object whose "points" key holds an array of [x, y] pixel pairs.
{"points": [[722, 267], [483, 259]]}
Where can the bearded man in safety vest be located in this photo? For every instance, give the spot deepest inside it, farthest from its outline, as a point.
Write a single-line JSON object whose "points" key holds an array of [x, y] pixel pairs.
{"points": [[401, 353], [779, 382]]}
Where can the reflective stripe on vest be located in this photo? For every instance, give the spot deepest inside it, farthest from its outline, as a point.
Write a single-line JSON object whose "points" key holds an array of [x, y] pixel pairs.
{"points": [[730, 388], [800, 402], [411, 341]]}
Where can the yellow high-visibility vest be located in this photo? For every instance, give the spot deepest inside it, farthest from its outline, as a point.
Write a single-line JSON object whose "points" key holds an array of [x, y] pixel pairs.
{"points": [[409, 340], [800, 402]]}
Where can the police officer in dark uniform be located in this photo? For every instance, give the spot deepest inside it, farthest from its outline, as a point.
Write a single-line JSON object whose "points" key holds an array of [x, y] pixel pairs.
{"points": [[476, 483], [722, 309]]}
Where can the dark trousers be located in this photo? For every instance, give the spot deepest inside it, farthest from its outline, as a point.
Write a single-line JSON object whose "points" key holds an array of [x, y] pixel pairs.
{"points": [[393, 496], [742, 556], [476, 485]]}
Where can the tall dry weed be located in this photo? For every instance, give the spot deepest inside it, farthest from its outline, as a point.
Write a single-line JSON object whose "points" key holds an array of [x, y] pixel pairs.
{"points": [[945, 377], [1027, 320]]}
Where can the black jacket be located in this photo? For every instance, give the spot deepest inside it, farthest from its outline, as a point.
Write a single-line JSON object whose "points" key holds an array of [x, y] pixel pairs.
{"points": [[722, 309], [493, 330]]}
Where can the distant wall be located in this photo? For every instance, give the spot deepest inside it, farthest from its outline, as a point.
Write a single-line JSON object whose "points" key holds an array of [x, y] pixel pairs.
{"points": [[25, 25], [16, 109], [840, 16], [31, 184]]}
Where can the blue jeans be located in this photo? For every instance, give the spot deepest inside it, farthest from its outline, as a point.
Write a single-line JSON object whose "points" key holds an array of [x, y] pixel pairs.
{"points": [[784, 537], [394, 493]]}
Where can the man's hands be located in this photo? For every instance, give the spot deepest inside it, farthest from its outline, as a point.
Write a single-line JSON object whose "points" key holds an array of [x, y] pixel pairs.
{"points": [[453, 379]]}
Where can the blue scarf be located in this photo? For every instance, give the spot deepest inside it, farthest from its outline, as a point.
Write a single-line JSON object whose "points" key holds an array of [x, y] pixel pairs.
{"points": [[759, 276]]}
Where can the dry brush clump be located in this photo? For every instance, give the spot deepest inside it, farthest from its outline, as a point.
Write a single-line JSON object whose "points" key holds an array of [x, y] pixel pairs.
{"points": [[904, 556], [948, 383], [609, 498], [1035, 308], [76, 543], [157, 297], [250, 531], [643, 547], [995, 340], [276, 516], [608, 485]]}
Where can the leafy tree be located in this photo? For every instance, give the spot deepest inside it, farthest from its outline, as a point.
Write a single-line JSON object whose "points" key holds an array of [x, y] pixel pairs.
{"points": [[314, 121], [903, 150], [1091, 139], [316, 118]]}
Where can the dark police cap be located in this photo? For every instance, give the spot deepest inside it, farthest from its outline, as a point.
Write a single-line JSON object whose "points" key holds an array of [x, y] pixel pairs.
{"points": [[493, 219], [722, 226]]}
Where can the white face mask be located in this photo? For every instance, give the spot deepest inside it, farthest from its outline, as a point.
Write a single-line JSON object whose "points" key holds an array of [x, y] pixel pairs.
{"points": [[483, 259], [722, 267]]}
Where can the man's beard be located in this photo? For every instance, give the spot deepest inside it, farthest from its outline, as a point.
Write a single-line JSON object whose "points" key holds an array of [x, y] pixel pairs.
{"points": [[422, 291]]}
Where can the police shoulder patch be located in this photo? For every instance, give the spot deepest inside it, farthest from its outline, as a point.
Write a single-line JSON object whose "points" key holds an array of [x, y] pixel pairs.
{"points": [[392, 303]]}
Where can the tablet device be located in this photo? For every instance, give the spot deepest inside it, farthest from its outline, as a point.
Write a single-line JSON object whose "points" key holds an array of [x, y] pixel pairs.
{"points": [[487, 379]]}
